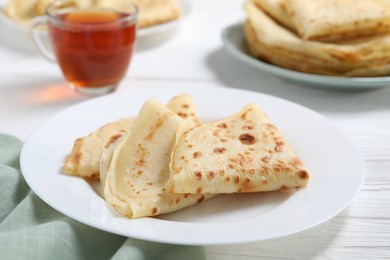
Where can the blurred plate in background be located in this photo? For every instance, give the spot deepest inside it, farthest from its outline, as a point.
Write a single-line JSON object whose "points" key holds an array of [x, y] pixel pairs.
{"points": [[184, 5], [234, 41]]}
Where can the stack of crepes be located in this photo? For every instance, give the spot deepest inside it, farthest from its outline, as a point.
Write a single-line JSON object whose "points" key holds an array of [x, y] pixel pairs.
{"points": [[166, 159], [330, 37], [151, 12]]}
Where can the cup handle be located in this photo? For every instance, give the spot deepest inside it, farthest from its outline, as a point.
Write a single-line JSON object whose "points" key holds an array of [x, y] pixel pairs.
{"points": [[35, 38]]}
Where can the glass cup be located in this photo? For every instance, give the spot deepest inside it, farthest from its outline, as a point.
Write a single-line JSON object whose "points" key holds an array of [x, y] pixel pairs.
{"points": [[92, 43]]}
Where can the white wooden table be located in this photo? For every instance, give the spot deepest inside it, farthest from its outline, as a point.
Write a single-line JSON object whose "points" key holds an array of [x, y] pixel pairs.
{"points": [[32, 90]]}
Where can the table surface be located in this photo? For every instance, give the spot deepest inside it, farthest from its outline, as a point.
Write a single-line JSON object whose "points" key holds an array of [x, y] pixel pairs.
{"points": [[32, 90]]}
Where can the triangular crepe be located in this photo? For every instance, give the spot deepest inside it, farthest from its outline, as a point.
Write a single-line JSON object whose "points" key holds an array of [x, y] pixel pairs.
{"points": [[105, 161], [85, 156], [152, 12], [241, 153], [333, 20], [21, 11], [271, 42], [276, 10], [139, 166]]}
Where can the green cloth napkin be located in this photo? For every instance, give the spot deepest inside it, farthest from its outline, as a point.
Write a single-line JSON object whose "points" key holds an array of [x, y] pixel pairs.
{"points": [[30, 229]]}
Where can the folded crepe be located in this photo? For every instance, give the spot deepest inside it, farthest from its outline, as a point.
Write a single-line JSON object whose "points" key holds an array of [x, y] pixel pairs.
{"points": [[84, 158], [21, 11], [271, 42], [138, 166], [276, 10], [333, 20], [152, 12], [241, 153]]}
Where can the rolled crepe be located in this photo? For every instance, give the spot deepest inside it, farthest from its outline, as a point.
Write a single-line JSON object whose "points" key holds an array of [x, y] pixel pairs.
{"points": [[241, 153], [139, 166]]}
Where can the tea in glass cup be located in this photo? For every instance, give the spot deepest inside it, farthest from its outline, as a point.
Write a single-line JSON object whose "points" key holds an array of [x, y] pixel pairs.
{"points": [[93, 44]]}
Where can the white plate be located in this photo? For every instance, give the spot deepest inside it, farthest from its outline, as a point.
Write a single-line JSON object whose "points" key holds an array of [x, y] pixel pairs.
{"points": [[234, 41], [184, 5], [336, 167], [185, 9]]}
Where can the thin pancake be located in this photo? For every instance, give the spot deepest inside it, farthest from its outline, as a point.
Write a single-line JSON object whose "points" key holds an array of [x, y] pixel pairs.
{"points": [[270, 41], [21, 11], [241, 153], [85, 156], [275, 9], [305, 63], [152, 12], [139, 166], [333, 20]]}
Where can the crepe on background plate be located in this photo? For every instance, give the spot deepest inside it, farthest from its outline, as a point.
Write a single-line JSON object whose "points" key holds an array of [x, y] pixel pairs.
{"points": [[269, 41], [139, 166], [276, 10], [84, 158], [335, 20], [151, 12], [241, 153], [154, 12]]}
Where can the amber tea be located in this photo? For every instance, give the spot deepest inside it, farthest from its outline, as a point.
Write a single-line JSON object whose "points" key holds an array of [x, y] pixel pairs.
{"points": [[92, 43], [92, 46]]}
